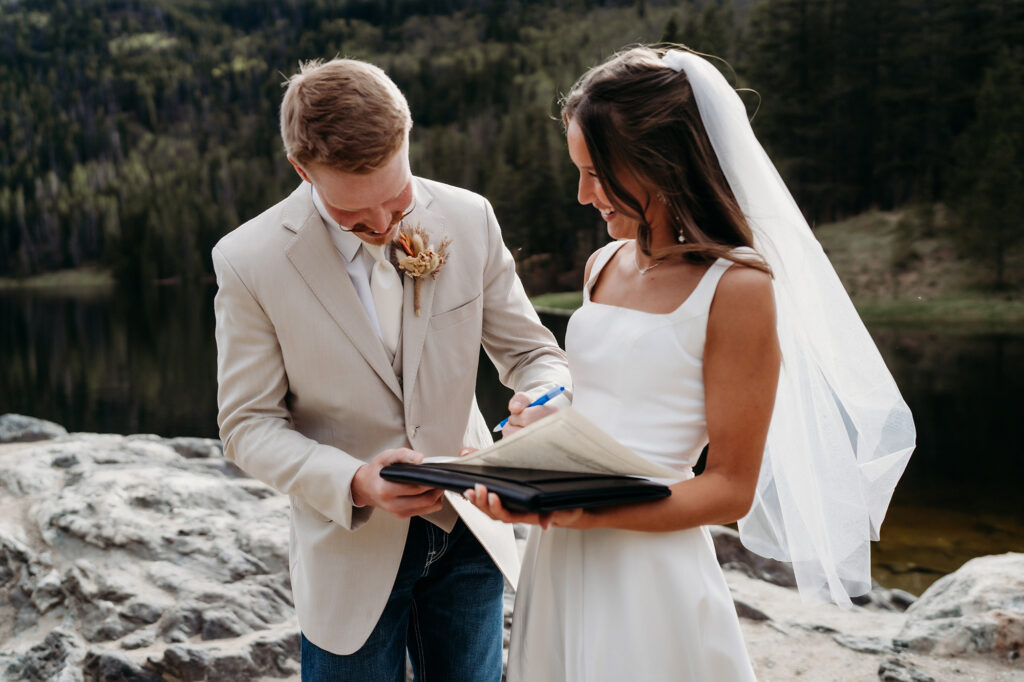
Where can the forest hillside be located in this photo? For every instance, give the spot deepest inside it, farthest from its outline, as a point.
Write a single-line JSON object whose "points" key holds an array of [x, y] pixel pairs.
{"points": [[134, 133]]}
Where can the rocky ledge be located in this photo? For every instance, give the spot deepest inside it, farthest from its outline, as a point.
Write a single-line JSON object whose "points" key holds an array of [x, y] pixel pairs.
{"points": [[145, 558]]}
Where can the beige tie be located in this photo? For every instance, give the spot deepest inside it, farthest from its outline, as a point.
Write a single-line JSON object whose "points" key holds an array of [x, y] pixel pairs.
{"points": [[386, 288]]}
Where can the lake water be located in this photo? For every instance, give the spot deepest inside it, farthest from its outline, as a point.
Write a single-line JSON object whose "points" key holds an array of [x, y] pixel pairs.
{"points": [[145, 362]]}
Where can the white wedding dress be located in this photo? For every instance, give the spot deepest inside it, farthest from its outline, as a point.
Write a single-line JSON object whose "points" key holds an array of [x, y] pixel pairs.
{"points": [[611, 605]]}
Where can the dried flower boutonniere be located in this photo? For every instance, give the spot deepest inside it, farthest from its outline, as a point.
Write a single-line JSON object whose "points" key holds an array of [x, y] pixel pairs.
{"points": [[418, 257]]}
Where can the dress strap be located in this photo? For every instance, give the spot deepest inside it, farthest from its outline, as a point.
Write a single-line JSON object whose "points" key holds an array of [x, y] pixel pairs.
{"points": [[704, 293], [701, 297], [604, 254]]}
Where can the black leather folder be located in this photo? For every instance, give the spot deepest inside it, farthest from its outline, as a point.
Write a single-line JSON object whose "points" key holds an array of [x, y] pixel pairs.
{"points": [[532, 490]]}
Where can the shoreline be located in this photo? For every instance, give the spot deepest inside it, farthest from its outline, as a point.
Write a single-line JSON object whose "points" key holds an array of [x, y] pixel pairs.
{"points": [[971, 313], [87, 279], [90, 278]]}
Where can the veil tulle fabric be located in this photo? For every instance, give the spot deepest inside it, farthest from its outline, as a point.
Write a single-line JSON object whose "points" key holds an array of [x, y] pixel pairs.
{"points": [[841, 434]]}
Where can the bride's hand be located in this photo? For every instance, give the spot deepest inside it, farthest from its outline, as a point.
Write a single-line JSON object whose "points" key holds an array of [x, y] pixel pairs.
{"points": [[571, 518], [522, 415], [490, 504]]}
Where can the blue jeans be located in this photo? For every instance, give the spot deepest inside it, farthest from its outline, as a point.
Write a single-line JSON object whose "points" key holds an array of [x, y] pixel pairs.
{"points": [[445, 606]]}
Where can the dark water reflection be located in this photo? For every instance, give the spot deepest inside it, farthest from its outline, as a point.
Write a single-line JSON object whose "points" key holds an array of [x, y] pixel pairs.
{"points": [[961, 494], [145, 361], [126, 363]]}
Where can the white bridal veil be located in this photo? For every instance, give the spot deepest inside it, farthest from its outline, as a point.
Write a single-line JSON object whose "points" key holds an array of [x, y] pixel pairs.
{"points": [[841, 434]]}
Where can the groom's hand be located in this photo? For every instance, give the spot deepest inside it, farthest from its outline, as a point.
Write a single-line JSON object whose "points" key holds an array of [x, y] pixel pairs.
{"points": [[401, 499]]}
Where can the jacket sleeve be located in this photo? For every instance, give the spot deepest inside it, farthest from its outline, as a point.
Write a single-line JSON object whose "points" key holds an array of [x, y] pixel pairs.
{"points": [[255, 424]]}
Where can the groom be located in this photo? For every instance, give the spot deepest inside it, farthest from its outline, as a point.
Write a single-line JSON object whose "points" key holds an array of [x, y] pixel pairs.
{"points": [[330, 366]]}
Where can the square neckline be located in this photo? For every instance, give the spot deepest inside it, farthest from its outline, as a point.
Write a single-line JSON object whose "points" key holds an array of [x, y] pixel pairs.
{"points": [[614, 248]]}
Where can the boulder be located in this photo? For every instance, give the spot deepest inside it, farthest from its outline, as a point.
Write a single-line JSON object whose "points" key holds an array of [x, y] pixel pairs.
{"points": [[153, 556], [143, 558], [17, 428], [979, 609], [196, 448], [732, 554], [895, 670], [885, 599], [57, 657]]}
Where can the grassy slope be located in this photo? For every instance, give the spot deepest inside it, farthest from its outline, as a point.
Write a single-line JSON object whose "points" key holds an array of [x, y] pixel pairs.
{"points": [[900, 268]]}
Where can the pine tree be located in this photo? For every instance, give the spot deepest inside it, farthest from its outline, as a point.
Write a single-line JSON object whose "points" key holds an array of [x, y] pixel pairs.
{"points": [[790, 64], [672, 34], [989, 186]]}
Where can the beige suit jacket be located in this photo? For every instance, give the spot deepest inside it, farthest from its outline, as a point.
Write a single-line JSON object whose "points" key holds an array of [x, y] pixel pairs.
{"points": [[307, 392]]}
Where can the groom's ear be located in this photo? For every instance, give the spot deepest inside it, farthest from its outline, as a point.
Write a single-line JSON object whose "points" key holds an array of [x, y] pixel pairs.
{"points": [[299, 170]]}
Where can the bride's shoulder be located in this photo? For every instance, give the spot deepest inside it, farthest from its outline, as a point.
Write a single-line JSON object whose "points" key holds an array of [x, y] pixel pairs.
{"points": [[743, 276], [744, 291], [742, 318]]}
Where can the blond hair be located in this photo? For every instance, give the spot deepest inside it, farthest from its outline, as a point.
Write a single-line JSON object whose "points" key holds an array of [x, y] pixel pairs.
{"points": [[343, 114]]}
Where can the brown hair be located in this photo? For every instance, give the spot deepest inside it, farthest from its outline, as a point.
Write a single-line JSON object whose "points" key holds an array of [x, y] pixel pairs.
{"points": [[638, 116], [343, 114]]}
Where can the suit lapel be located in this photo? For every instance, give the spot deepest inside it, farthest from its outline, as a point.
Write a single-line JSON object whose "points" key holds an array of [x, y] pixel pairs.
{"points": [[313, 254], [414, 327]]}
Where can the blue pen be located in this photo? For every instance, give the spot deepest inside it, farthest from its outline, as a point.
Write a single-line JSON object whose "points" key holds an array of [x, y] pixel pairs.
{"points": [[539, 401]]}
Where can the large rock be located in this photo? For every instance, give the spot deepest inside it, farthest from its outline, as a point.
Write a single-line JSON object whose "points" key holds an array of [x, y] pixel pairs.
{"points": [[977, 609], [895, 670], [732, 554], [141, 558], [17, 428]]}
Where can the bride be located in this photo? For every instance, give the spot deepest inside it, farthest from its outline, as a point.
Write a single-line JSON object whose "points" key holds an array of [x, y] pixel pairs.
{"points": [[713, 319]]}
